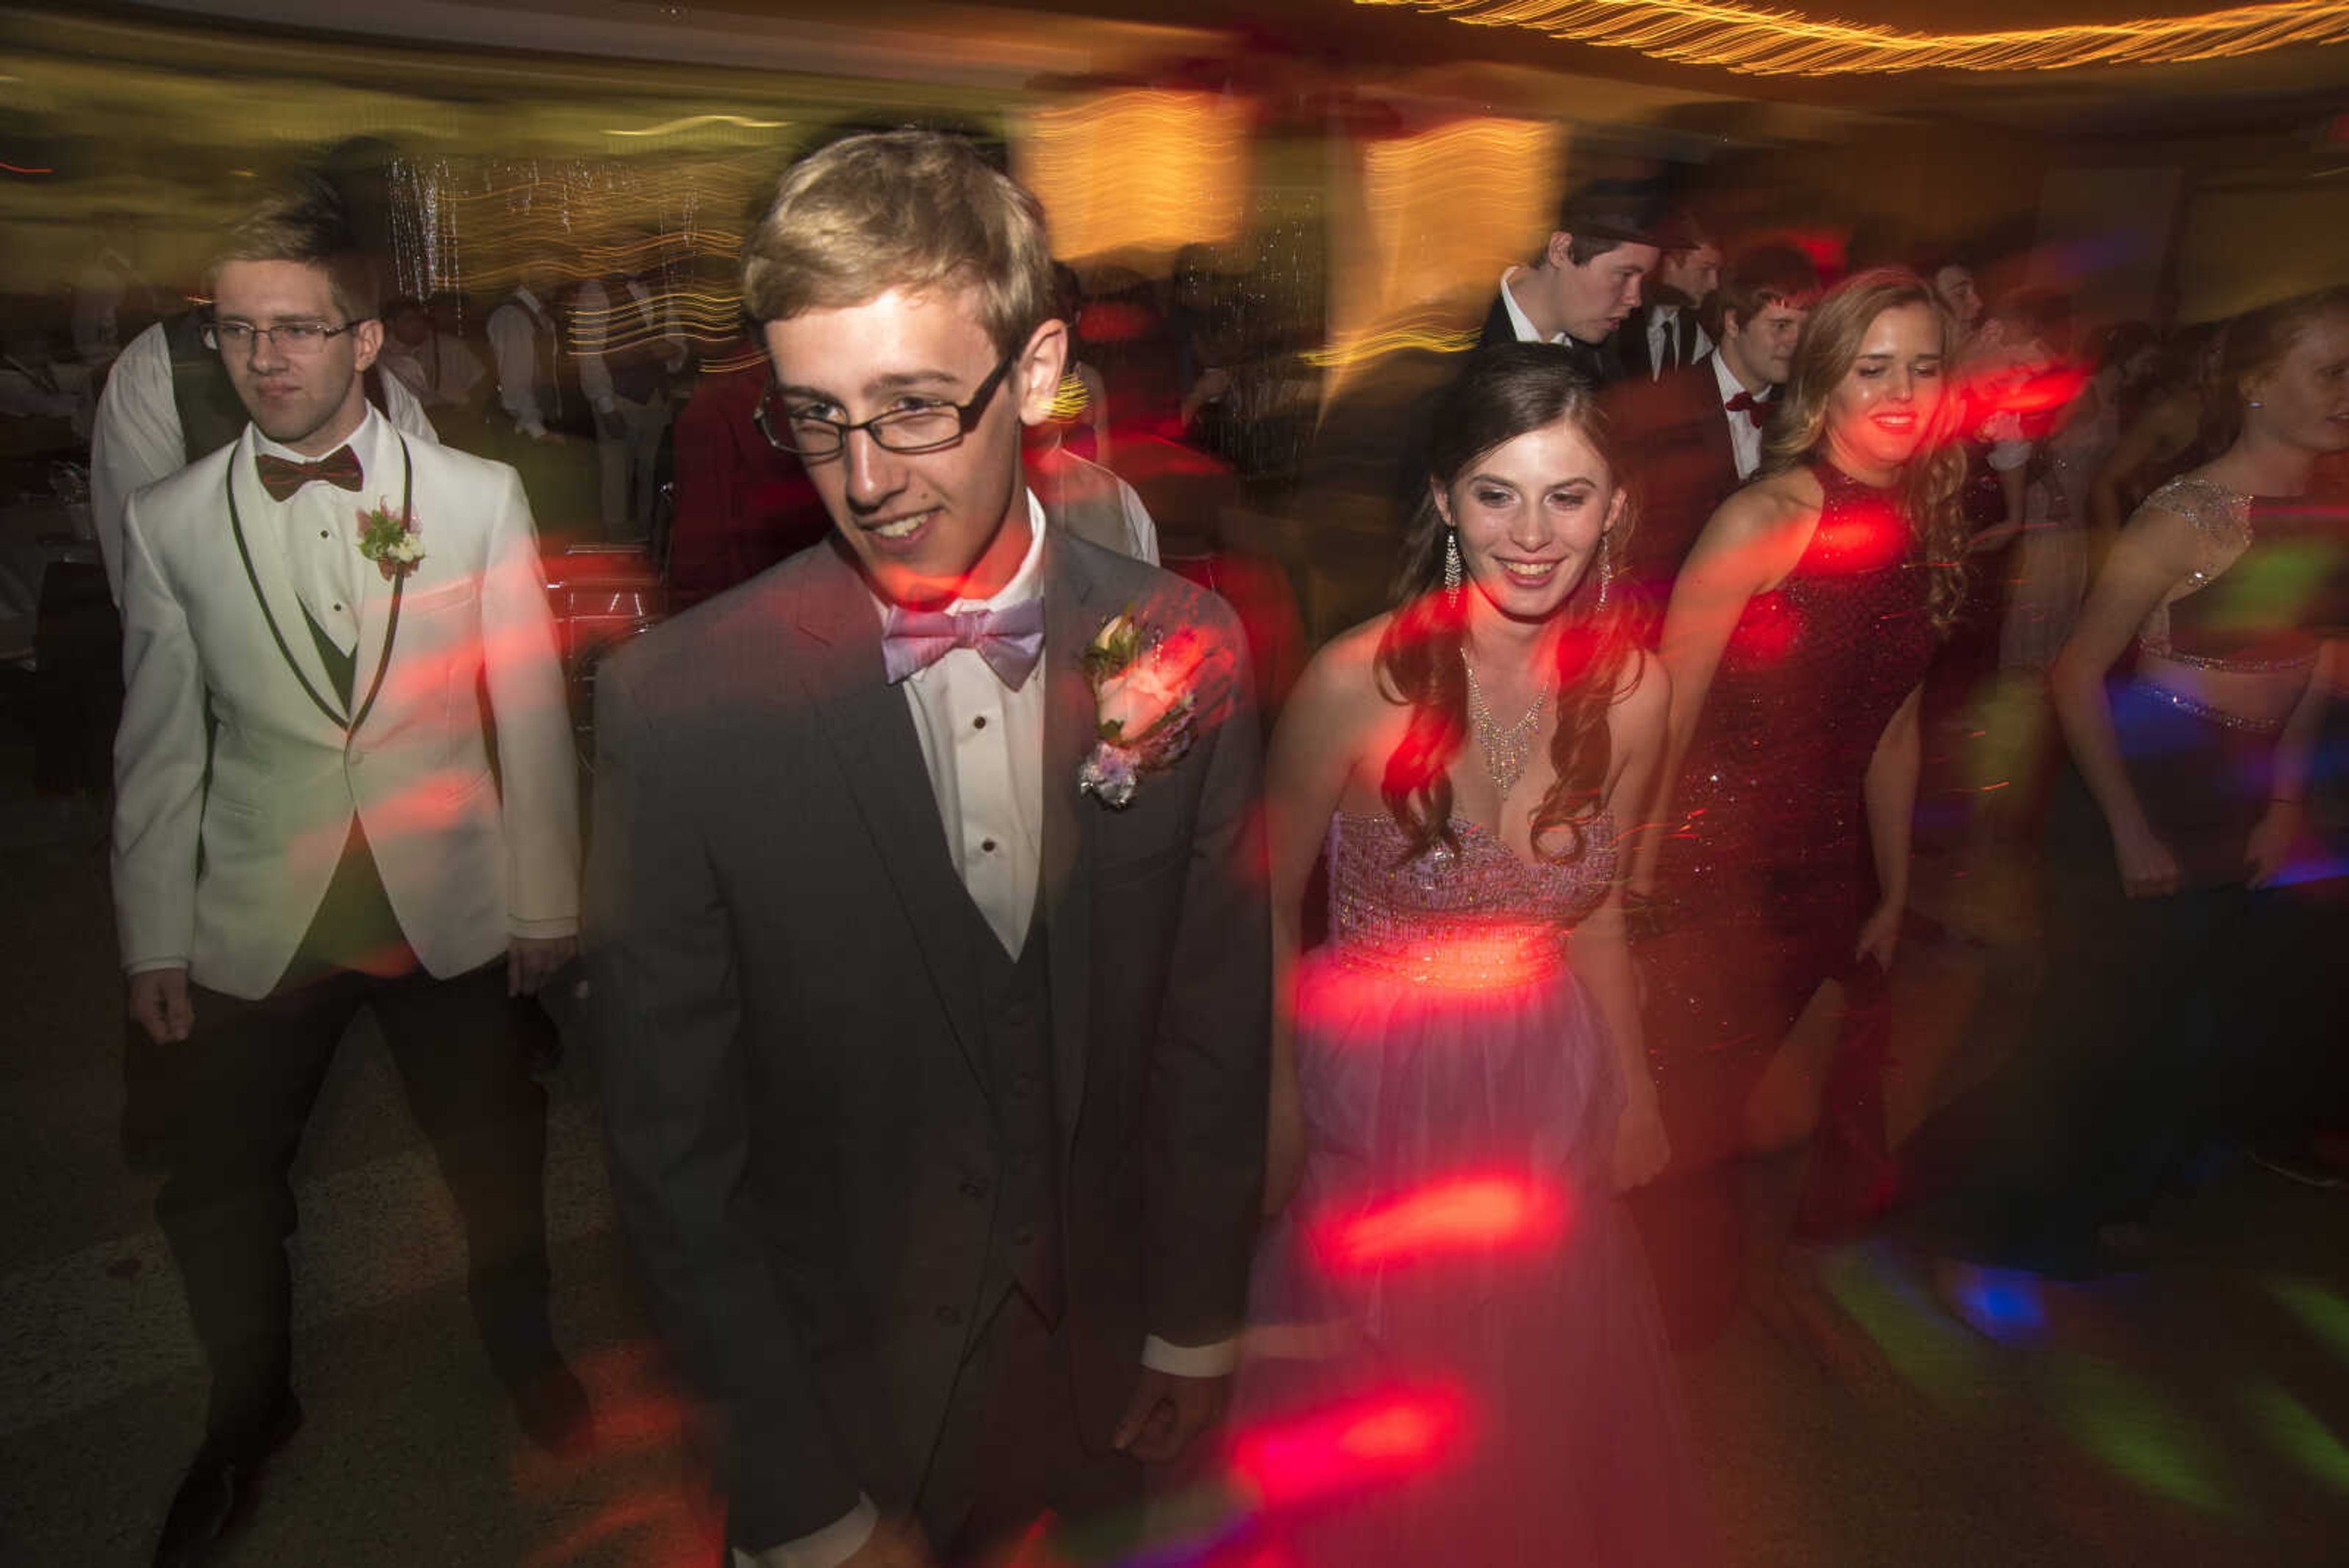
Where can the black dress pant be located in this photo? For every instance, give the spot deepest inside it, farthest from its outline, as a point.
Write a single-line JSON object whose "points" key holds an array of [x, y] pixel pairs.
{"points": [[237, 1095]]}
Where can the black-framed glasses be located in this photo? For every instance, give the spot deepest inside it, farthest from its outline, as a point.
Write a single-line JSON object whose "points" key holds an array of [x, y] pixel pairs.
{"points": [[927, 427], [292, 336]]}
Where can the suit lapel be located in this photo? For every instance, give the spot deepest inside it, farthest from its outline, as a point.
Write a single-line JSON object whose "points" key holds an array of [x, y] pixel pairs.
{"points": [[1072, 617], [264, 557], [379, 596], [866, 720]]}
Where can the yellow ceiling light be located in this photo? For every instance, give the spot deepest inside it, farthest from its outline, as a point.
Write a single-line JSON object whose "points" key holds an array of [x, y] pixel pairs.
{"points": [[1781, 43]]}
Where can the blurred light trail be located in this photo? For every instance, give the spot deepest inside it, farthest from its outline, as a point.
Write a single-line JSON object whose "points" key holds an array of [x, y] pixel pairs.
{"points": [[2138, 1436], [1142, 169], [671, 127], [1375, 1441], [1471, 1214], [2320, 1311], [2295, 1428], [1775, 43]]}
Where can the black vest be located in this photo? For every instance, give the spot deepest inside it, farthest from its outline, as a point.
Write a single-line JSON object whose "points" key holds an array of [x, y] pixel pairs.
{"points": [[1024, 1235]]}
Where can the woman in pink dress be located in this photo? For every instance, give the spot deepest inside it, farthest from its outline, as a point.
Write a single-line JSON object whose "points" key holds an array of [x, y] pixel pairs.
{"points": [[1456, 1355]]}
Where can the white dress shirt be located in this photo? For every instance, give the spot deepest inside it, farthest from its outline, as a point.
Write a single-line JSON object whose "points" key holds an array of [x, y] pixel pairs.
{"points": [[442, 371], [983, 745], [1663, 336], [137, 439], [597, 325], [1744, 435], [316, 528]]}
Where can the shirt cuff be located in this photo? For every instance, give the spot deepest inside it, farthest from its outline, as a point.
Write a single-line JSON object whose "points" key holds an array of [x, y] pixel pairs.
{"points": [[148, 966], [559, 926], [829, 1547], [1216, 1360]]}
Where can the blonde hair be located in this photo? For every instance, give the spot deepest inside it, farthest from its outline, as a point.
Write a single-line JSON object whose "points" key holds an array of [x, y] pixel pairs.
{"points": [[1931, 480], [914, 210], [304, 223]]}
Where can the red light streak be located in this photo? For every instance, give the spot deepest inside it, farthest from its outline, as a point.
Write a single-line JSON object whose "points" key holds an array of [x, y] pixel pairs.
{"points": [[1467, 1214], [1372, 1441]]}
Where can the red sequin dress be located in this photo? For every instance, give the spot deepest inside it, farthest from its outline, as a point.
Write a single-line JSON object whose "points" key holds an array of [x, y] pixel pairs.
{"points": [[1765, 878]]}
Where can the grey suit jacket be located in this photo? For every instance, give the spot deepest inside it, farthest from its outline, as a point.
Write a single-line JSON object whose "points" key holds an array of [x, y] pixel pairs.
{"points": [[790, 1044]]}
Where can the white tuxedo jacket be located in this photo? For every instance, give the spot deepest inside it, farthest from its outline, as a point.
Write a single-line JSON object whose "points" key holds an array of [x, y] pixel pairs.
{"points": [[224, 873]]}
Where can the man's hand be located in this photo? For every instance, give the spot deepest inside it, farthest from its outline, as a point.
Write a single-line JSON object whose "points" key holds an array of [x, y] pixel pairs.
{"points": [[894, 1543], [1166, 1412], [159, 1001], [531, 962]]}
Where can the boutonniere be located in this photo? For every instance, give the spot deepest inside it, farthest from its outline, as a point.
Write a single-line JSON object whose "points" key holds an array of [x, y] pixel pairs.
{"points": [[390, 540], [1146, 698]]}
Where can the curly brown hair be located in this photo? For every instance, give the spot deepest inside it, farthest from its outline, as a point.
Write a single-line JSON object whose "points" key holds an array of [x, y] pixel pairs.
{"points": [[1930, 481], [1503, 392]]}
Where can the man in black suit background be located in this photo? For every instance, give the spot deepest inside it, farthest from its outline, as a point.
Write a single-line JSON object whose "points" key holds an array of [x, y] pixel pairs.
{"points": [[1586, 280], [935, 1075], [1665, 333], [1698, 432]]}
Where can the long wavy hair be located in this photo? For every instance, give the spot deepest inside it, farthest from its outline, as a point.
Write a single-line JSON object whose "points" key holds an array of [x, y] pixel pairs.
{"points": [[1501, 393], [1931, 480]]}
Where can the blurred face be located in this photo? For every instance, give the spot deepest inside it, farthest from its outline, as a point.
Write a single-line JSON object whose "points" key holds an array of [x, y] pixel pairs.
{"points": [[411, 327], [2304, 398], [1879, 413], [1695, 273], [1955, 284], [1761, 352], [1530, 514], [928, 527], [1592, 299], [311, 399]]}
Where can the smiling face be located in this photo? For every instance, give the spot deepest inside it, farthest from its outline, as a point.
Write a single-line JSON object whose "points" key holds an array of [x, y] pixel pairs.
{"points": [[2304, 397], [927, 527], [1883, 407], [1530, 514], [310, 401], [1590, 300]]}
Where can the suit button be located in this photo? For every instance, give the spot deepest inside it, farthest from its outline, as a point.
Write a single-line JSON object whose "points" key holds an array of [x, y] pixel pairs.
{"points": [[949, 1316], [973, 1187]]}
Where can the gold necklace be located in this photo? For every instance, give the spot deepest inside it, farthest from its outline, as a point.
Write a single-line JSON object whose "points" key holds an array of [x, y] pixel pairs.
{"points": [[1505, 751]]}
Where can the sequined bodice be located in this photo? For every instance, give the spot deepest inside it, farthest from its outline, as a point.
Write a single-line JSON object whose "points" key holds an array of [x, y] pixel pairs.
{"points": [[2268, 581], [1811, 675], [1470, 919]]}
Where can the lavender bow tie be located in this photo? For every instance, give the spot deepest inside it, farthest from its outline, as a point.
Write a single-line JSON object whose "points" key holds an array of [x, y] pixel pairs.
{"points": [[1011, 640]]}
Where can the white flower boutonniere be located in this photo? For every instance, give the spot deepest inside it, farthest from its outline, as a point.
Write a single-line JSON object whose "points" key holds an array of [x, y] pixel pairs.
{"points": [[390, 540], [1146, 698]]}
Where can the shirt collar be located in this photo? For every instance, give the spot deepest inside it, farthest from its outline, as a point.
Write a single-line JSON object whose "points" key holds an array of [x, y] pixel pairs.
{"points": [[1730, 385], [1519, 322], [362, 441], [1026, 584]]}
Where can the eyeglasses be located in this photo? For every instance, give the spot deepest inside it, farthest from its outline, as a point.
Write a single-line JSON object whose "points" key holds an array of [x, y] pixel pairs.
{"points": [[923, 427], [297, 337]]}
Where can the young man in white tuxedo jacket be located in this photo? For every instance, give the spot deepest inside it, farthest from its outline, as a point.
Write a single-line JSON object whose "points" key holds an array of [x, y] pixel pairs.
{"points": [[309, 820], [936, 1087]]}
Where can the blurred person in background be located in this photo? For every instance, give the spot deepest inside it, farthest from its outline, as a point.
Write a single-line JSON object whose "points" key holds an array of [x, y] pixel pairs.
{"points": [[1955, 286], [1695, 433], [1586, 279], [1080, 410], [743, 503], [2170, 429], [1470, 1036], [2184, 809], [1665, 333], [447, 377], [298, 678], [628, 346], [1797, 640]]}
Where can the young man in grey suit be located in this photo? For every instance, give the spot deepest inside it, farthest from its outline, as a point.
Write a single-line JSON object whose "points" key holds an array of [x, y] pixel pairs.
{"points": [[934, 1078]]}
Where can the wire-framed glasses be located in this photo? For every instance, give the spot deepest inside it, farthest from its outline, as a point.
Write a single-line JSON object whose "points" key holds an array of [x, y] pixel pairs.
{"points": [[288, 336], [915, 425]]}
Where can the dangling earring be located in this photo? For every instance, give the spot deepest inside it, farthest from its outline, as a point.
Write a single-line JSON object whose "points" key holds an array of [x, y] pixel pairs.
{"points": [[1606, 567], [2253, 403], [1451, 573]]}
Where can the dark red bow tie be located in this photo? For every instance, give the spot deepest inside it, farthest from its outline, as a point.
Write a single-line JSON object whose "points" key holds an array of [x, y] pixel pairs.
{"points": [[282, 478], [1752, 408]]}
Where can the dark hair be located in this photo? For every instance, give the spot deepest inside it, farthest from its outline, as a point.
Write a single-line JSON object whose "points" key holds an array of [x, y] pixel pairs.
{"points": [[1762, 277], [1503, 392], [1929, 479], [306, 222], [2118, 342], [1605, 214]]}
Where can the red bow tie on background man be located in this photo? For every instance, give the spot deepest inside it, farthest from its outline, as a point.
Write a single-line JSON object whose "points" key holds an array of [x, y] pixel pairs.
{"points": [[1744, 402], [282, 478]]}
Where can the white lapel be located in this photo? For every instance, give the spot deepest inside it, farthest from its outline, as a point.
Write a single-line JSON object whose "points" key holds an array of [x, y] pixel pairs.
{"points": [[251, 524], [389, 482]]}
